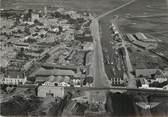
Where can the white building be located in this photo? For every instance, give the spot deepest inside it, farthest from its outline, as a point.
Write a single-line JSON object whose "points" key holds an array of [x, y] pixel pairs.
{"points": [[53, 91], [13, 81], [22, 45], [145, 86], [165, 87], [13, 77], [58, 81], [35, 16], [160, 80]]}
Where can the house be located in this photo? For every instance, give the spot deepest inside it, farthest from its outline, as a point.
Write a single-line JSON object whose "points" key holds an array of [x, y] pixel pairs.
{"points": [[1, 78], [22, 45], [142, 37], [117, 81], [42, 75], [81, 99], [35, 16], [88, 46], [28, 65], [53, 91], [166, 72], [148, 73], [144, 86], [83, 36], [161, 80], [73, 14], [14, 77], [165, 87], [4, 62], [57, 81], [55, 66], [55, 72], [139, 43], [131, 37], [40, 79]]}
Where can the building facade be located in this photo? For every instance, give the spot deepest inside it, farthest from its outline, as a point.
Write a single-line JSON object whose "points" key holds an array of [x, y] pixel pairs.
{"points": [[53, 91], [13, 81], [13, 77]]}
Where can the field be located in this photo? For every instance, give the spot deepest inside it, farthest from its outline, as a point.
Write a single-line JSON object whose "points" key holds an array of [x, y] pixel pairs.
{"points": [[129, 19], [144, 59], [94, 6]]}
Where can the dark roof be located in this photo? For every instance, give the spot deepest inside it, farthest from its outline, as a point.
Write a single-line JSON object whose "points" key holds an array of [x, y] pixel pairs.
{"points": [[58, 79], [54, 72], [15, 74], [67, 67], [41, 79]]}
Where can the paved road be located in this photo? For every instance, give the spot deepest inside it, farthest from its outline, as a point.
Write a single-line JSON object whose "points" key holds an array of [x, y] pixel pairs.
{"points": [[133, 90], [100, 77], [113, 10]]}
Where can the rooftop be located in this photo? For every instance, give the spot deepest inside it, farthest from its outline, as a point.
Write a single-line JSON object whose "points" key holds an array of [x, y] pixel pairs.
{"points": [[14, 74], [54, 72]]}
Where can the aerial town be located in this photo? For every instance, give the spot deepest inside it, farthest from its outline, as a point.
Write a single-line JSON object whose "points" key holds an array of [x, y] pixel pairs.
{"points": [[56, 63]]}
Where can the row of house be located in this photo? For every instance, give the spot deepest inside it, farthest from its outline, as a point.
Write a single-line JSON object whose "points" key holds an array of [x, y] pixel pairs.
{"points": [[142, 37], [149, 73], [151, 78], [13, 77], [139, 43]]}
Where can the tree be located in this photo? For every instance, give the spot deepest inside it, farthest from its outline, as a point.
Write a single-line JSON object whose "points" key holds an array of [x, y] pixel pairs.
{"points": [[37, 22], [27, 30], [138, 83]]}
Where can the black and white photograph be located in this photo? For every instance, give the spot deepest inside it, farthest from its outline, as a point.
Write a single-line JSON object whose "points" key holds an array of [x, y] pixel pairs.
{"points": [[84, 58]]}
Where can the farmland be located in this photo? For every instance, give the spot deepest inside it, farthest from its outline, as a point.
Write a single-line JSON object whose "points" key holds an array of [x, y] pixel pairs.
{"points": [[94, 6]]}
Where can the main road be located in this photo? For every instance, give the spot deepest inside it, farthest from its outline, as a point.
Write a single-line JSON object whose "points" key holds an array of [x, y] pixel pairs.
{"points": [[100, 78]]}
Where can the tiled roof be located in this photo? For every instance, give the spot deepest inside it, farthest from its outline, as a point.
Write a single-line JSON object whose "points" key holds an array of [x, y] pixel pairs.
{"points": [[15, 74], [41, 79], [71, 67], [54, 72], [58, 79]]}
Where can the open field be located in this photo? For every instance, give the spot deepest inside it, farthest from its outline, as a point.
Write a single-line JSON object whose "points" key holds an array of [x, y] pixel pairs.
{"points": [[144, 59], [94, 6]]}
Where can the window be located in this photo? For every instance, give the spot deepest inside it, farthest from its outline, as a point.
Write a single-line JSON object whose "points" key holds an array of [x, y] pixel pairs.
{"points": [[141, 75], [50, 94]]}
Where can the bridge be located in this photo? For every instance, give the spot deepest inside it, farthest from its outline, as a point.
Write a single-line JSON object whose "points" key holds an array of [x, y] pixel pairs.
{"points": [[99, 95], [125, 89], [114, 89], [95, 95]]}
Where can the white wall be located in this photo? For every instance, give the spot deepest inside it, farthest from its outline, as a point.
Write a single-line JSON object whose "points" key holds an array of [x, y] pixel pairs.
{"points": [[56, 91]]}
